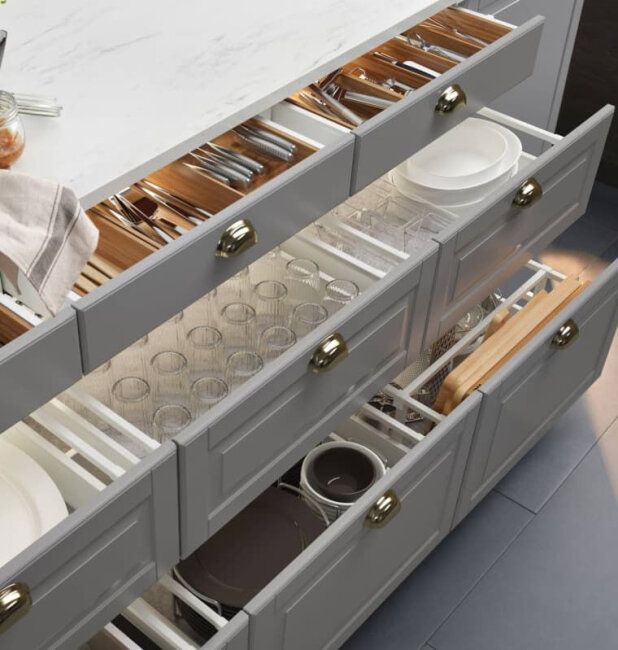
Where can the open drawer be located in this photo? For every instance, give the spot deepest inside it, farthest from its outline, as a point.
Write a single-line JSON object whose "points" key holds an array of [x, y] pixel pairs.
{"points": [[408, 91], [532, 390], [38, 359], [230, 453], [349, 569], [243, 224], [114, 529], [204, 230], [495, 237]]}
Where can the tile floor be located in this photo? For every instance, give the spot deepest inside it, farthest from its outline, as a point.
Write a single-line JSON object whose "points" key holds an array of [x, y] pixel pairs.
{"points": [[535, 566]]}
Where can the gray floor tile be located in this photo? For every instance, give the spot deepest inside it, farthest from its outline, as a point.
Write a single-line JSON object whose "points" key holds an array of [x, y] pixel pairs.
{"points": [[579, 246], [539, 474], [556, 587], [603, 207], [420, 604], [608, 256]]}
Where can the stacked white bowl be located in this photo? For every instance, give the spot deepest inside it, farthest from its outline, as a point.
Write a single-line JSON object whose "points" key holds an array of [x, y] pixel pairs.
{"points": [[461, 167]]}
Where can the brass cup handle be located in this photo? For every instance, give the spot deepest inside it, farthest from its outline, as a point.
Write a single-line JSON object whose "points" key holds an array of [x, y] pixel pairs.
{"points": [[331, 351], [529, 192], [383, 510], [451, 99], [566, 335], [15, 603], [236, 239]]}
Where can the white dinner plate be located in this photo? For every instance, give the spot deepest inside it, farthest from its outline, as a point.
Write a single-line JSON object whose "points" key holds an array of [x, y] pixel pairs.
{"points": [[30, 502]]}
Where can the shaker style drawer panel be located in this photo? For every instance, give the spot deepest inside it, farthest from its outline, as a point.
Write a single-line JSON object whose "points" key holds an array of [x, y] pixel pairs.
{"points": [[118, 540], [537, 385], [398, 132], [165, 282], [352, 567], [38, 364], [489, 242], [245, 442]]}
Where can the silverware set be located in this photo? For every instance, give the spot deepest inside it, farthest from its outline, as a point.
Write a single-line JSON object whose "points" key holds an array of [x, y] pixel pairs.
{"points": [[235, 169], [328, 97]]}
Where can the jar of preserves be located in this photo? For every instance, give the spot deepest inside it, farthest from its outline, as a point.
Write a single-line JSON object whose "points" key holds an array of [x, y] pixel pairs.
{"points": [[12, 135]]}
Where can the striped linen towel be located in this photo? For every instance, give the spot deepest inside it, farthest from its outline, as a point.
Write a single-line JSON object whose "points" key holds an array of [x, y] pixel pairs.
{"points": [[45, 234]]}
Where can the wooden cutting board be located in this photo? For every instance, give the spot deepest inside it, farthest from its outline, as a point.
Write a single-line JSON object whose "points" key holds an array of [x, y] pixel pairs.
{"points": [[507, 336]]}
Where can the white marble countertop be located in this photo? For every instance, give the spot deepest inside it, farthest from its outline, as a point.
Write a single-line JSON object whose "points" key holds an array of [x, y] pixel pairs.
{"points": [[143, 82]]}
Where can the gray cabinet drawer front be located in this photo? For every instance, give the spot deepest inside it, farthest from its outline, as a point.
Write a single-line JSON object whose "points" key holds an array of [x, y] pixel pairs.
{"points": [[481, 252], [401, 130], [246, 442], [234, 636], [525, 396], [344, 575], [98, 560], [166, 282], [38, 365]]}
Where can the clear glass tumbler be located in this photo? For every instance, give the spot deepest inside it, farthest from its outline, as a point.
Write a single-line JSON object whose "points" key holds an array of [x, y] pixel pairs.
{"points": [[306, 317], [205, 351], [169, 377], [239, 326], [130, 398], [302, 277], [274, 341], [241, 366], [271, 306], [169, 420], [339, 293], [205, 393]]}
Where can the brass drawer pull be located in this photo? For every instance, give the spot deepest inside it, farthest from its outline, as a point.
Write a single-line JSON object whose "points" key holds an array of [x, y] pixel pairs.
{"points": [[529, 192], [566, 335], [15, 603], [383, 510], [452, 99], [236, 239], [331, 351]]}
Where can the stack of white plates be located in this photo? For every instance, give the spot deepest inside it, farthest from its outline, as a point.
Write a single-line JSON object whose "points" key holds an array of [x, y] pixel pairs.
{"points": [[461, 167], [30, 502]]}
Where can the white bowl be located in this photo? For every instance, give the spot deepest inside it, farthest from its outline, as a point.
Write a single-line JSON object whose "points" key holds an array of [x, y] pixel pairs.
{"points": [[468, 193], [450, 199], [470, 153]]}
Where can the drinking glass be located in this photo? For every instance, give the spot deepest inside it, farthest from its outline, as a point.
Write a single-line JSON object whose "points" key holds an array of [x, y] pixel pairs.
{"points": [[270, 303], [170, 335], [169, 375], [130, 399], [170, 419], [205, 393], [274, 341], [338, 294], [133, 360], [239, 326], [241, 366], [205, 351], [303, 280], [306, 317], [235, 289]]}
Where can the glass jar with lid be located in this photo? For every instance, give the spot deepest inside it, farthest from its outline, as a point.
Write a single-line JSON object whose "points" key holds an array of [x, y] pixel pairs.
{"points": [[12, 135]]}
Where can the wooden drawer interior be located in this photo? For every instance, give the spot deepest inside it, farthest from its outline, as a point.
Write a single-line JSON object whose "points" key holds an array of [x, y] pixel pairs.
{"points": [[455, 34]]}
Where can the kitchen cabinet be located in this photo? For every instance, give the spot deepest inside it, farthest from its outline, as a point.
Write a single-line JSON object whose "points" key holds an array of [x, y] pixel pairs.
{"points": [[137, 504]]}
